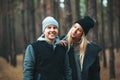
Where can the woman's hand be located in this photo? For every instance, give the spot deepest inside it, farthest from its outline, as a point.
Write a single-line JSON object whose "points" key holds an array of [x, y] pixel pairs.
{"points": [[63, 42]]}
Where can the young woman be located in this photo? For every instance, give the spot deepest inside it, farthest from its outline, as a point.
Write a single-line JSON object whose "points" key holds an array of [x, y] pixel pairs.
{"points": [[44, 59], [83, 55]]}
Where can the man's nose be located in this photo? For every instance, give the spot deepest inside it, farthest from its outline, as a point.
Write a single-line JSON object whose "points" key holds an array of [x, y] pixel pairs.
{"points": [[52, 29]]}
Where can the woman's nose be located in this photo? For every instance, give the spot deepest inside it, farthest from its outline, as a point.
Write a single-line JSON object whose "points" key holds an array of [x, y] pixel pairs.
{"points": [[75, 30]]}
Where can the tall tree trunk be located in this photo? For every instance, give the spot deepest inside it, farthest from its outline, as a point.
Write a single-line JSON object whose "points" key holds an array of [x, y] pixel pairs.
{"points": [[75, 9], [38, 29], [30, 21], [33, 26], [92, 12], [43, 9], [56, 11], [23, 25], [68, 16], [111, 48], [1, 2], [1, 13], [13, 36], [5, 40], [117, 16], [102, 40], [9, 32], [118, 1], [49, 7], [40, 15]]}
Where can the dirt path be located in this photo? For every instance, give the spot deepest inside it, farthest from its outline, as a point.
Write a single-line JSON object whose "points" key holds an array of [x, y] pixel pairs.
{"points": [[105, 71], [8, 72]]}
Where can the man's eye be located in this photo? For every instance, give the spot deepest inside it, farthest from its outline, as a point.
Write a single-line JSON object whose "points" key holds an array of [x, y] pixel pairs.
{"points": [[54, 27]]}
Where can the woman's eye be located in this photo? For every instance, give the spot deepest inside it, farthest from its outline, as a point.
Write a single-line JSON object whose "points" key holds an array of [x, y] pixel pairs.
{"points": [[75, 27], [80, 30]]}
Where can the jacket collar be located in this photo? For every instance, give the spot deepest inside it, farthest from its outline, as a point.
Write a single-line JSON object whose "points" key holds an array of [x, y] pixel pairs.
{"points": [[42, 38]]}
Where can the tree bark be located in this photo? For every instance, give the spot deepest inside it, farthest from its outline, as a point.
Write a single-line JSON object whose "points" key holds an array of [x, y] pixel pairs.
{"points": [[111, 47]]}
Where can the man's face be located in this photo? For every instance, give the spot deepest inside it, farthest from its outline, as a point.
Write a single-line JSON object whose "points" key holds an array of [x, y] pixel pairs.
{"points": [[51, 32]]}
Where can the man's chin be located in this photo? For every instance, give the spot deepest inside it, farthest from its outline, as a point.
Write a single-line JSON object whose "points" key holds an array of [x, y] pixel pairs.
{"points": [[52, 38]]}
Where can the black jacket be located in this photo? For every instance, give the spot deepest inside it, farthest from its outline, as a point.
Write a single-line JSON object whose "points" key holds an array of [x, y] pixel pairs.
{"points": [[49, 64], [91, 66]]}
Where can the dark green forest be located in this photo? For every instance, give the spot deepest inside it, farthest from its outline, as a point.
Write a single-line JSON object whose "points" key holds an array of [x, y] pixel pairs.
{"points": [[20, 25]]}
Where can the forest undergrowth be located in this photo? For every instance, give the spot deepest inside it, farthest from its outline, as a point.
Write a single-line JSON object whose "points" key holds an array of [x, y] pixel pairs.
{"points": [[8, 72]]}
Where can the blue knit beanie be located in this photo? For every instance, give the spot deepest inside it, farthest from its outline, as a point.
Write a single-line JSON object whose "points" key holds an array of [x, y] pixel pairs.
{"points": [[49, 21], [86, 23]]}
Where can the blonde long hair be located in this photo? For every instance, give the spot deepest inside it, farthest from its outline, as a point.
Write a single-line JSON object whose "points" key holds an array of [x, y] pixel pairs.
{"points": [[82, 45]]}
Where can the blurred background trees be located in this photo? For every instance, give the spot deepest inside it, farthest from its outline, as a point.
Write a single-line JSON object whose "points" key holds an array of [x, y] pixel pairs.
{"points": [[20, 24]]}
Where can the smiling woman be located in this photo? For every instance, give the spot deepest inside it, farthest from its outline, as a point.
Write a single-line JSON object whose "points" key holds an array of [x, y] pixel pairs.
{"points": [[83, 54]]}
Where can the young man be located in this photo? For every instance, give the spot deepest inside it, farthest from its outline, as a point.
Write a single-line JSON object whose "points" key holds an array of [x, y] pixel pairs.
{"points": [[44, 59]]}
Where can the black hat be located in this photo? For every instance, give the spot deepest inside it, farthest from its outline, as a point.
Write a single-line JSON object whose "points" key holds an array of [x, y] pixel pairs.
{"points": [[86, 23]]}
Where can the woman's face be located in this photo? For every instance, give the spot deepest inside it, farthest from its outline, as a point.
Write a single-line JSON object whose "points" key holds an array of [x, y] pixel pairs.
{"points": [[51, 32], [77, 31]]}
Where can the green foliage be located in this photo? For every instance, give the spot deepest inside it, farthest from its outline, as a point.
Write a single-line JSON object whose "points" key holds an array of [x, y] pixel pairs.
{"points": [[83, 7], [35, 4]]}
